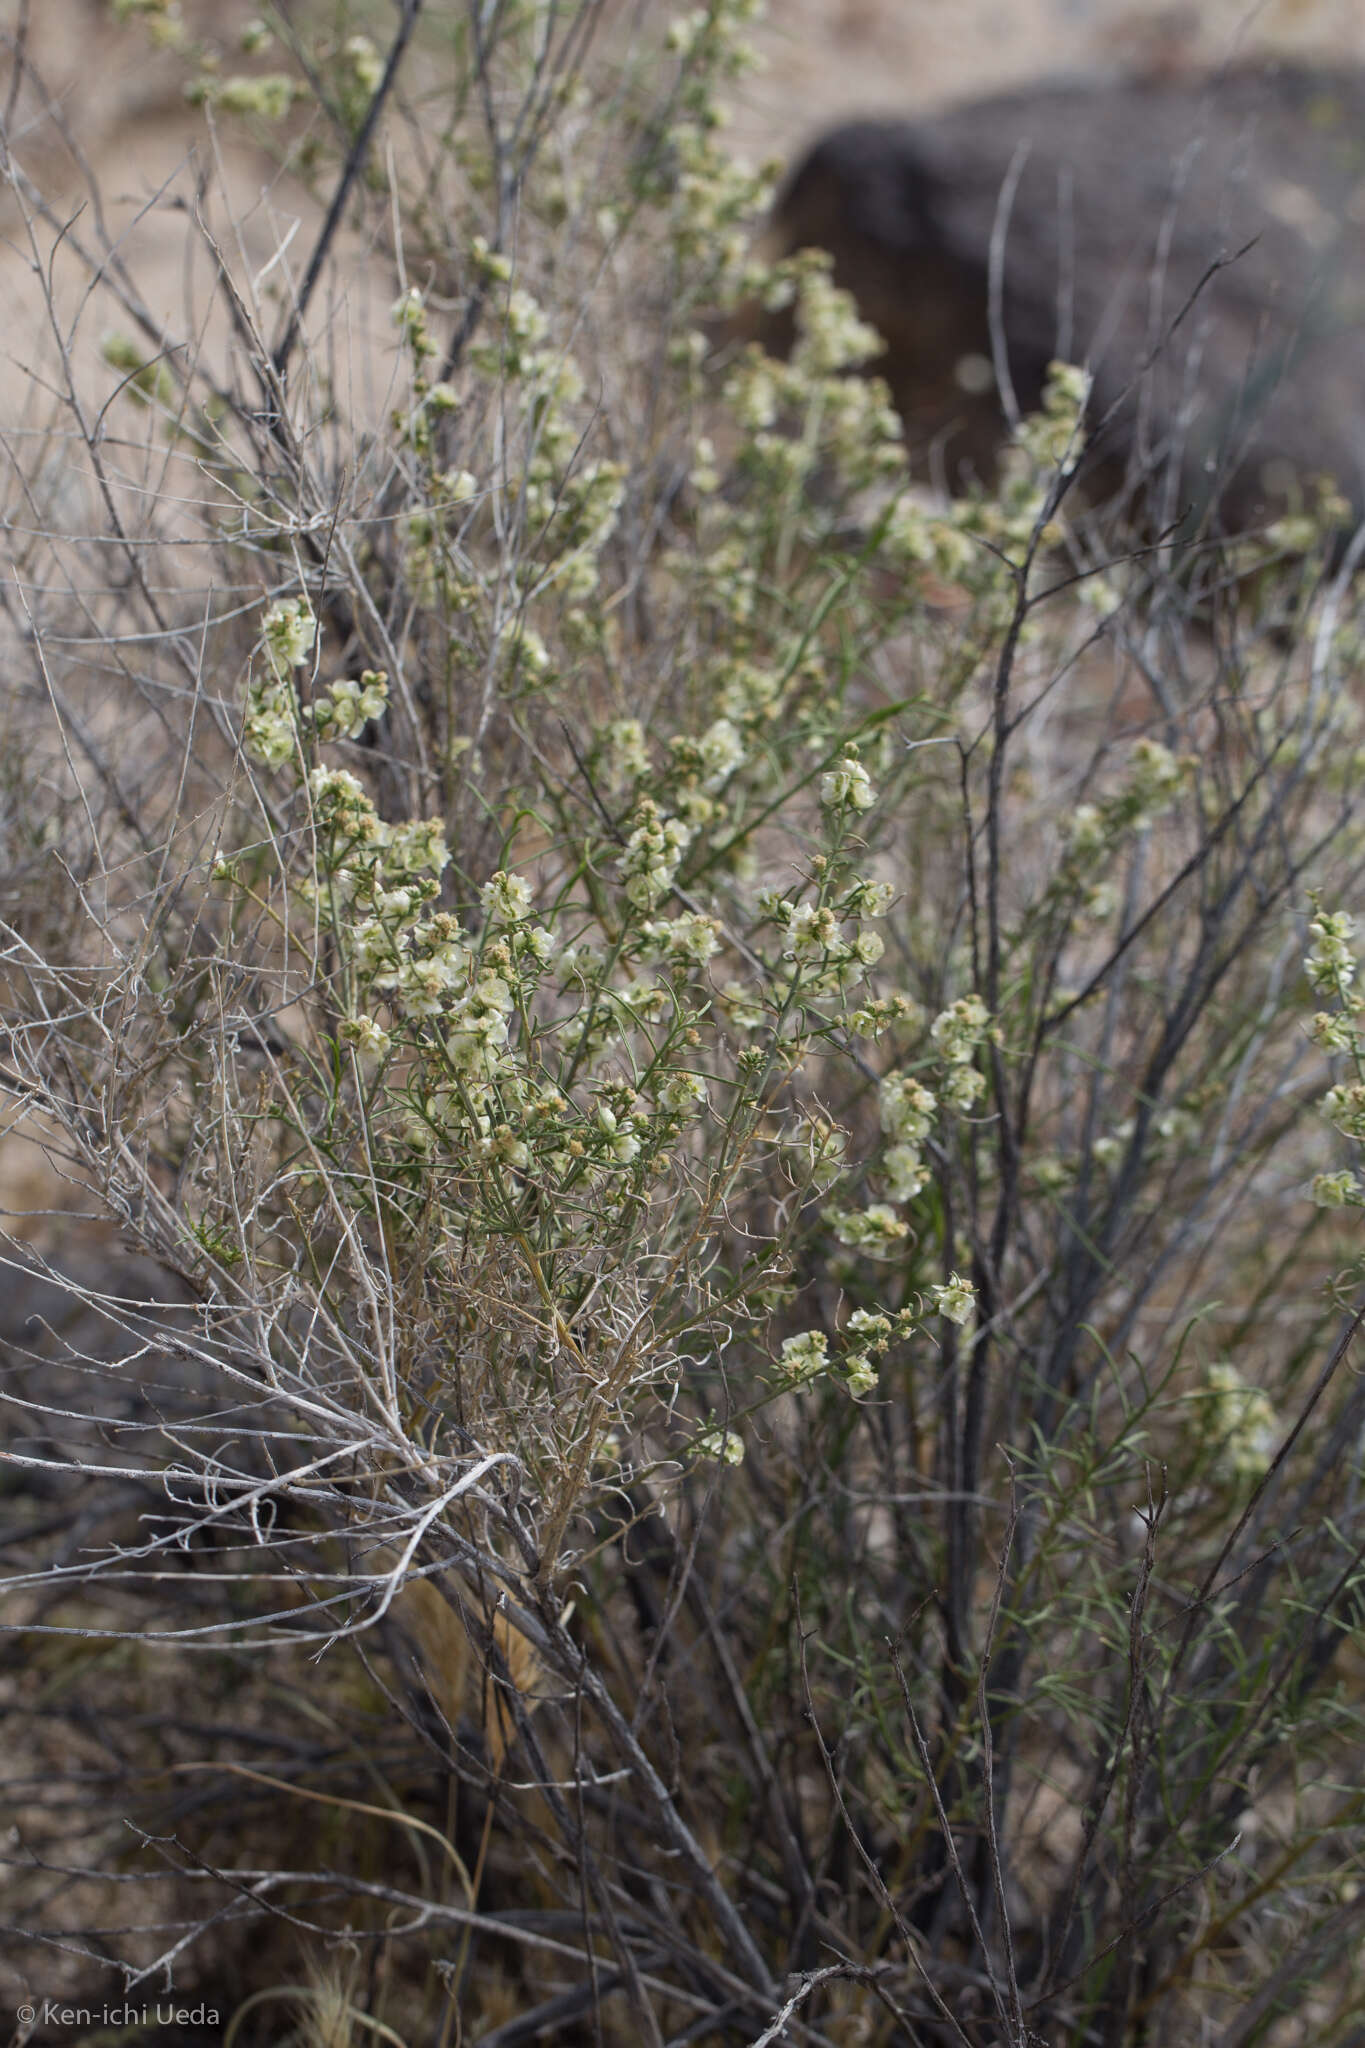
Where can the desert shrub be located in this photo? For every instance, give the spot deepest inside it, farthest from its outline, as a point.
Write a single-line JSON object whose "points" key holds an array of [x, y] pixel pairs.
{"points": [[729, 1410]]}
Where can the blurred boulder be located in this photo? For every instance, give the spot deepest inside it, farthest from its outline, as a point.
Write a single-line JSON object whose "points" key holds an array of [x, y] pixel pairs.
{"points": [[1198, 243]]}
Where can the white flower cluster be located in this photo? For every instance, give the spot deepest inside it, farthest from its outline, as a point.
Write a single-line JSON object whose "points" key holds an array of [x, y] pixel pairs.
{"points": [[275, 718], [746, 691], [1344, 1106], [954, 1299], [624, 754], [807, 409], [409, 315], [874, 1231], [423, 964], [364, 63], [806, 1358], [1046, 445], [370, 1039], [907, 1114], [687, 941], [566, 506], [345, 708], [1094, 831], [1241, 1419], [653, 851], [269, 96], [1303, 532], [289, 632], [1331, 969], [711, 35], [830, 336], [707, 763], [825, 951], [1155, 781], [1331, 965], [484, 1065], [907, 1110], [1052, 438], [270, 730], [913, 536], [866, 1336], [715, 200], [959, 1030], [847, 786], [718, 1445], [572, 508]]}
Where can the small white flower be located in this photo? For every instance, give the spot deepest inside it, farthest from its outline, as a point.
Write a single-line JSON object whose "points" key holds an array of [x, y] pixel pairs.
{"points": [[418, 846], [907, 1108], [1331, 966], [680, 1092], [875, 1230], [1332, 1031], [722, 751], [367, 66], [958, 1030], [905, 1172], [619, 1133], [651, 856], [1345, 1107], [395, 903], [691, 939], [526, 323], [1243, 1418], [347, 707], [964, 1088], [503, 1145], [954, 1300], [867, 899], [506, 898], [368, 1038], [804, 1358], [268, 735], [720, 1446], [625, 752], [831, 337], [847, 786], [872, 1329], [859, 1374], [1156, 781], [1085, 832], [290, 630]]}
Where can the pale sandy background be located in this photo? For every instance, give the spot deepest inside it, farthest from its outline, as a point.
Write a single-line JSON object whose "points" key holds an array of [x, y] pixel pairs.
{"points": [[823, 58], [828, 58]]}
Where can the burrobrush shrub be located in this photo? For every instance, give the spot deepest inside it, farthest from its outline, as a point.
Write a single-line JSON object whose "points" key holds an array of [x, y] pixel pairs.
{"points": [[745, 1421]]}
